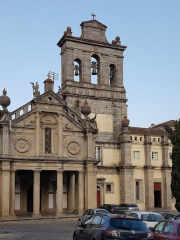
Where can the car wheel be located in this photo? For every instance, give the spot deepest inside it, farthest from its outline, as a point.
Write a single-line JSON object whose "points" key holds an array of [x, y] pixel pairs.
{"points": [[79, 222]]}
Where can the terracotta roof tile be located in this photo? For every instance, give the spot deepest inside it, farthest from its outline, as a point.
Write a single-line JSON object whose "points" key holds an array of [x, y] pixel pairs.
{"points": [[147, 131]]}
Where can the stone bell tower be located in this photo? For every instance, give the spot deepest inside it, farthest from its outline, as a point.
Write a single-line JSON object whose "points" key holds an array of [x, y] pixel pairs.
{"points": [[92, 69]]}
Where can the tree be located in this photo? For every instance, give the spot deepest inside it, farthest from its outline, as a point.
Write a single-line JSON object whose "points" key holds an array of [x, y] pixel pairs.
{"points": [[174, 136]]}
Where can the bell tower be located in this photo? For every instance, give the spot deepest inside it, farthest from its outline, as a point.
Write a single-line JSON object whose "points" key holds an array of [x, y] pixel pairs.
{"points": [[92, 69]]}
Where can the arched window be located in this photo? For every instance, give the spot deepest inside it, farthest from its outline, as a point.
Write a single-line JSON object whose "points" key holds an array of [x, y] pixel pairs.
{"points": [[95, 67], [77, 70], [112, 75]]}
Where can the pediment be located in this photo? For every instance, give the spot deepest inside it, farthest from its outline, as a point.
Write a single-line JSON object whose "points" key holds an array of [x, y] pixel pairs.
{"points": [[50, 98], [70, 125], [93, 23]]}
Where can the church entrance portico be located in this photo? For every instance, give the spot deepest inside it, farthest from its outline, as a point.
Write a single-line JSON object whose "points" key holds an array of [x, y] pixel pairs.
{"points": [[42, 191]]}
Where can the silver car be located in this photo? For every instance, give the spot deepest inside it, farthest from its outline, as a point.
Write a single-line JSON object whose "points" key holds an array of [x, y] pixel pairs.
{"points": [[128, 206], [149, 218], [89, 213]]}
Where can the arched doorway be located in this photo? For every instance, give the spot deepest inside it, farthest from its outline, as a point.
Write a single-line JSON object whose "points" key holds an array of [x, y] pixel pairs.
{"points": [[30, 199]]}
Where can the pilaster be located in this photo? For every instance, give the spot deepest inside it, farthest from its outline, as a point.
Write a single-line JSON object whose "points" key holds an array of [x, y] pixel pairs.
{"points": [[149, 187], [167, 194], [5, 194], [37, 134], [12, 193], [60, 148], [5, 139], [90, 199]]}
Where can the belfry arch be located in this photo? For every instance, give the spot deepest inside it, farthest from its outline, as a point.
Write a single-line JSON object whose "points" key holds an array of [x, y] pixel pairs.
{"points": [[95, 69], [77, 70], [112, 75]]}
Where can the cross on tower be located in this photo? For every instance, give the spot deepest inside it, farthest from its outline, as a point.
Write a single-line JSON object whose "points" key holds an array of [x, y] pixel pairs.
{"points": [[93, 15]]}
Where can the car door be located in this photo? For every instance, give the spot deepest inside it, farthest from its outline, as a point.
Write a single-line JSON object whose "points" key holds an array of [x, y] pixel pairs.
{"points": [[167, 231], [93, 230], [85, 216], [157, 231], [82, 232]]}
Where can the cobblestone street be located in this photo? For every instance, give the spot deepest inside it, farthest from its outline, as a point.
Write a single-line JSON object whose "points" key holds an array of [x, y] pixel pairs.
{"points": [[51, 229]]}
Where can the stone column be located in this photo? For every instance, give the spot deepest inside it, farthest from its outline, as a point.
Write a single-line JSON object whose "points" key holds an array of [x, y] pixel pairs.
{"points": [[80, 192], [71, 191], [12, 193], [59, 194], [36, 194]]}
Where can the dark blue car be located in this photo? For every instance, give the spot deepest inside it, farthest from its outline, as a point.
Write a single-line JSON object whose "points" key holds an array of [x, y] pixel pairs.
{"points": [[112, 226]]}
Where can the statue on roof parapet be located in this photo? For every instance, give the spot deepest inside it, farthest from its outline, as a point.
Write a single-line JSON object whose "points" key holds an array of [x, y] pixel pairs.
{"points": [[36, 92]]}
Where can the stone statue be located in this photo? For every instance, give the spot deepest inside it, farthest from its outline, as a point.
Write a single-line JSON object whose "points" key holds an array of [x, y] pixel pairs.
{"points": [[36, 93], [90, 123], [59, 93], [6, 117]]}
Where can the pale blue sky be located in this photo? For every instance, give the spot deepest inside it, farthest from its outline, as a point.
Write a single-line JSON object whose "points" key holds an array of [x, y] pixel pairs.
{"points": [[30, 30]]}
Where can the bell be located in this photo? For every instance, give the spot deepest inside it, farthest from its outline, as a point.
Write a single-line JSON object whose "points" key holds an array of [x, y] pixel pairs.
{"points": [[94, 68], [76, 68], [94, 72]]}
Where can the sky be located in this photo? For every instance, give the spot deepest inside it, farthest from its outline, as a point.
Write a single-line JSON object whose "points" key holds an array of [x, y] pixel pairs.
{"points": [[30, 30]]}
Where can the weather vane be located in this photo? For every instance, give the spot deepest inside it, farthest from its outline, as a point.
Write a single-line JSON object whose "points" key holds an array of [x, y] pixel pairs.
{"points": [[93, 15]]}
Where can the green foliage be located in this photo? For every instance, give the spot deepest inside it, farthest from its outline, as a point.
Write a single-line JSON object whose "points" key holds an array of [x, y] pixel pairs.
{"points": [[174, 136]]}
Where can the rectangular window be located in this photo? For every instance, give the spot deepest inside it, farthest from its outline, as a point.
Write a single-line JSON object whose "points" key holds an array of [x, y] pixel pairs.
{"points": [[137, 190], [98, 154], [154, 155], [47, 140], [109, 187], [136, 154], [170, 156]]}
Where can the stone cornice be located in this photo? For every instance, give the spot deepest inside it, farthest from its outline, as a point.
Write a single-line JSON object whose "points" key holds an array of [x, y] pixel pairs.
{"points": [[90, 42]]}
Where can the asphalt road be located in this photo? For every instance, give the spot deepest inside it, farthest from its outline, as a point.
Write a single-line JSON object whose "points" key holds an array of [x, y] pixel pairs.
{"points": [[51, 229]]}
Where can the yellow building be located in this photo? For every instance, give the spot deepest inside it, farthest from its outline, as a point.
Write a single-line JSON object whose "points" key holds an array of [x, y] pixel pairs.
{"points": [[72, 149]]}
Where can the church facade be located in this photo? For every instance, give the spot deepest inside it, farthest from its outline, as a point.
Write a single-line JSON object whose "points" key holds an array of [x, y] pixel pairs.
{"points": [[70, 150]]}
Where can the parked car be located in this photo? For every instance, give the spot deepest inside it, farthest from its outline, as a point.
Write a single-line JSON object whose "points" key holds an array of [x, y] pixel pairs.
{"points": [[89, 213], [177, 217], [149, 218], [128, 206], [119, 211], [166, 229], [168, 215], [112, 226], [109, 207]]}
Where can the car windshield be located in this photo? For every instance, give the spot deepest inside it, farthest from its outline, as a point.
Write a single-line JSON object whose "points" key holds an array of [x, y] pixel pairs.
{"points": [[151, 217], [132, 205], [125, 223]]}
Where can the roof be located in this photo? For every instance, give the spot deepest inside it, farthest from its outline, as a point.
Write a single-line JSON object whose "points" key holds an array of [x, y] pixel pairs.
{"points": [[90, 22], [170, 123], [147, 131]]}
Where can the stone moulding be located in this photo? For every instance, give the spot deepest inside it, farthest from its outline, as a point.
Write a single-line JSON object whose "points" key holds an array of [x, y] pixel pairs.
{"points": [[47, 119], [22, 144], [73, 148]]}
